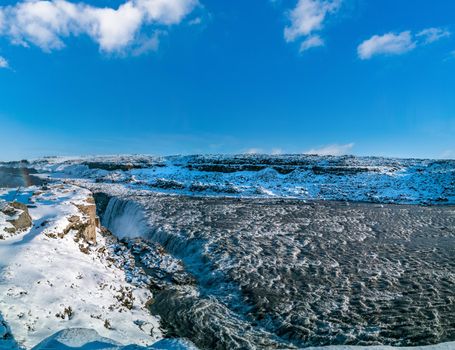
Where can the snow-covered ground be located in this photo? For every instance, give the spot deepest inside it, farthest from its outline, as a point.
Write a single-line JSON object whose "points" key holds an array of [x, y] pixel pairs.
{"points": [[89, 339], [369, 179], [48, 281]]}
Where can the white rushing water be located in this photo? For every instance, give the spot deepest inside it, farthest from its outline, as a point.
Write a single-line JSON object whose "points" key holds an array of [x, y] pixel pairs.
{"points": [[125, 219]]}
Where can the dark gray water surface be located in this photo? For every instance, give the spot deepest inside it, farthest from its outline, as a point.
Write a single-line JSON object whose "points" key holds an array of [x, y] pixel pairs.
{"points": [[283, 273]]}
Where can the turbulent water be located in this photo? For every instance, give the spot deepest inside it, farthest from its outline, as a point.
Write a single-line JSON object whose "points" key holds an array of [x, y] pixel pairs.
{"points": [[288, 251], [126, 217], [284, 273]]}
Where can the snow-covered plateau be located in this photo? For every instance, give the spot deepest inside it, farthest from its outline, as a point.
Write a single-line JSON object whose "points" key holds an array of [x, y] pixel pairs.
{"points": [[142, 252], [307, 177]]}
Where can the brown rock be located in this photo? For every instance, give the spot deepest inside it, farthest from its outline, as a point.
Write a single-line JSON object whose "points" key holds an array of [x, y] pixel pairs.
{"points": [[88, 232], [74, 219], [22, 220], [86, 224]]}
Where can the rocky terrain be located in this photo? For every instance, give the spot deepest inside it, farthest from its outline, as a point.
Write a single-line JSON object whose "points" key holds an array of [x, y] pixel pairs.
{"points": [[306, 177], [231, 252], [14, 219]]}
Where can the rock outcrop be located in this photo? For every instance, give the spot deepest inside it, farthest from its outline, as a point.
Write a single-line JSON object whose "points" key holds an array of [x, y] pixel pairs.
{"points": [[17, 219], [86, 224]]}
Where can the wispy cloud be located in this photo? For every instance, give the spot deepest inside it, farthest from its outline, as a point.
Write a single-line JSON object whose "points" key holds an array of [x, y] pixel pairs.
{"points": [[387, 44], [3, 62], [332, 150], [448, 154], [310, 42], [306, 18], [148, 43], [430, 35], [399, 43], [257, 150], [195, 21], [253, 151], [47, 24]]}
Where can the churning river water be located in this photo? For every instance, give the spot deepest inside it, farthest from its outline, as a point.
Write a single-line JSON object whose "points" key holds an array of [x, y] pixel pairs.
{"points": [[273, 274]]}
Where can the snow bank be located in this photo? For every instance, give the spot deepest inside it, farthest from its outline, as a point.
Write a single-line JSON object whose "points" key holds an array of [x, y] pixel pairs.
{"points": [[89, 339], [77, 338], [50, 281]]}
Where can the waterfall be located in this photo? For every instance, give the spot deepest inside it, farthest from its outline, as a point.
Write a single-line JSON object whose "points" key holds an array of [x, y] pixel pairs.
{"points": [[125, 219]]}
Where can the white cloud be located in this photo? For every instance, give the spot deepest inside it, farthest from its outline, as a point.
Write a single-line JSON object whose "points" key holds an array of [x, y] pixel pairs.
{"points": [[46, 23], [256, 150], [166, 12], [307, 17], [387, 44], [397, 44], [113, 29], [310, 42], [253, 151], [331, 150], [148, 44], [430, 35], [3, 62], [195, 22]]}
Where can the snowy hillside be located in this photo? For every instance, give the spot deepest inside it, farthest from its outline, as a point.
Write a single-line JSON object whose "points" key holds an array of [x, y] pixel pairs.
{"points": [[369, 179], [51, 278]]}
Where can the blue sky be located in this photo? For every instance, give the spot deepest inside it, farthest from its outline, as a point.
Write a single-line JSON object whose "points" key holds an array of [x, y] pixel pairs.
{"points": [[210, 76]]}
